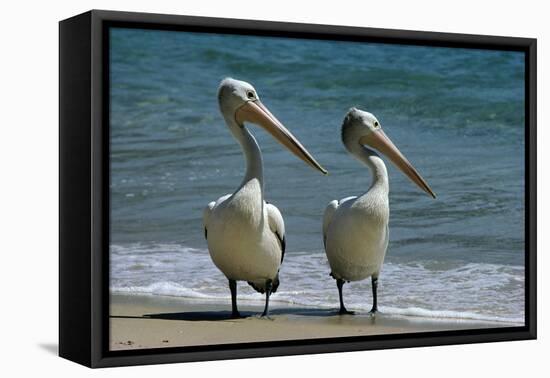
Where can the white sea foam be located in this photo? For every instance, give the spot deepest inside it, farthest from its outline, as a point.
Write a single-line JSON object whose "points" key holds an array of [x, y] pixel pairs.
{"points": [[472, 291]]}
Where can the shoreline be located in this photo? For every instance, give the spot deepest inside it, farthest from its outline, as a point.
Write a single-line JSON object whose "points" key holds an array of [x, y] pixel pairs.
{"points": [[148, 321]]}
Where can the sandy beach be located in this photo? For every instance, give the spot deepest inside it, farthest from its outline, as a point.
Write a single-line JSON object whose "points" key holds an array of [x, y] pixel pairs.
{"points": [[155, 321], [461, 256]]}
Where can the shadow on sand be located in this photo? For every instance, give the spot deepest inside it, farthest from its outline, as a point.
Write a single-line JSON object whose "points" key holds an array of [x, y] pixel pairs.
{"points": [[226, 315]]}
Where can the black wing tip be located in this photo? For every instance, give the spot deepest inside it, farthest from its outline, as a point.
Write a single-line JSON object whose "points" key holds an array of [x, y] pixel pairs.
{"points": [[257, 288], [276, 283]]}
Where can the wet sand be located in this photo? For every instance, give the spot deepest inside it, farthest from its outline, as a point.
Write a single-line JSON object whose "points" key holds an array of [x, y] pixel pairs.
{"points": [[155, 321]]}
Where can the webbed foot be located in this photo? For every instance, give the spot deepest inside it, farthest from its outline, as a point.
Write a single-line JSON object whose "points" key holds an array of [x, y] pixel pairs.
{"points": [[344, 311]]}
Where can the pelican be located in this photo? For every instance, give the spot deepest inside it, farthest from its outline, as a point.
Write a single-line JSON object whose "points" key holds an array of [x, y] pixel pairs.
{"points": [[245, 234], [355, 229]]}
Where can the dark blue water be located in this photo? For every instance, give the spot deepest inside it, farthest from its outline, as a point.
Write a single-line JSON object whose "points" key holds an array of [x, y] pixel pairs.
{"points": [[457, 114]]}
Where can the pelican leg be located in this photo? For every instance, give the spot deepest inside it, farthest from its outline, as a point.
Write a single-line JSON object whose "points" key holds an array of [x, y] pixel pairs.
{"points": [[234, 311], [374, 309], [268, 288], [343, 310]]}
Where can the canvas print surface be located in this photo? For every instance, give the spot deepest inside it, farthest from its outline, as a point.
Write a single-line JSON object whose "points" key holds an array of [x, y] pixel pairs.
{"points": [[453, 262]]}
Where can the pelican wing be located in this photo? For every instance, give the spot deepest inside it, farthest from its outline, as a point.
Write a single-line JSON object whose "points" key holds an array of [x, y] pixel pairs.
{"points": [[329, 213], [208, 210], [277, 225], [327, 218]]}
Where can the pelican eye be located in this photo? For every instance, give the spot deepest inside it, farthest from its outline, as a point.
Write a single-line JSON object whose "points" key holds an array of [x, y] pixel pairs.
{"points": [[376, 124], [250, 94]]}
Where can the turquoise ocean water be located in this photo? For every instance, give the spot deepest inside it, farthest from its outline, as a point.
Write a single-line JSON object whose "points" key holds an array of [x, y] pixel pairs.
{"points": [[457, 114]]}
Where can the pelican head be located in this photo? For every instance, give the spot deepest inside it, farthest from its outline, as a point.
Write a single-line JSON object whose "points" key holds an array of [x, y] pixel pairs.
{"points": [[362, 128], [240, 103]]}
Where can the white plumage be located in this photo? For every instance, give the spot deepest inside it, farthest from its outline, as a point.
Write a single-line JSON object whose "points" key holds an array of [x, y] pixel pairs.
{"points": [[356, 237], [355, 229], [245, 234]]}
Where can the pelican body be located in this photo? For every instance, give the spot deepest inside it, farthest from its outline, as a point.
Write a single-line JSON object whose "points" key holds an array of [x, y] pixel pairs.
{"points": [[355, 229], [245, 234]]}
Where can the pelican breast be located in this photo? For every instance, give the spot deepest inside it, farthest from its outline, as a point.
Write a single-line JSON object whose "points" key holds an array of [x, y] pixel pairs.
{"points": [[356, 236], [240, 240]]}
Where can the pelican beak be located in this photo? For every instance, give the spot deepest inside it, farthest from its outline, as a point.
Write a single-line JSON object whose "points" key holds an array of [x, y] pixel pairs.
{"points": [[255, 112], [380, 141]]}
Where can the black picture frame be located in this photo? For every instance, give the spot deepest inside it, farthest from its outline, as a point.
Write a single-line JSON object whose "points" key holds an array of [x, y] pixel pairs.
{"points": [[84, 189]]}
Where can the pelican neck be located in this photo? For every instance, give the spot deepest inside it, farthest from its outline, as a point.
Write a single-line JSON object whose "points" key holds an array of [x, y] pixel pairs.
{"points": [[252, 154], [376, 166]]}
